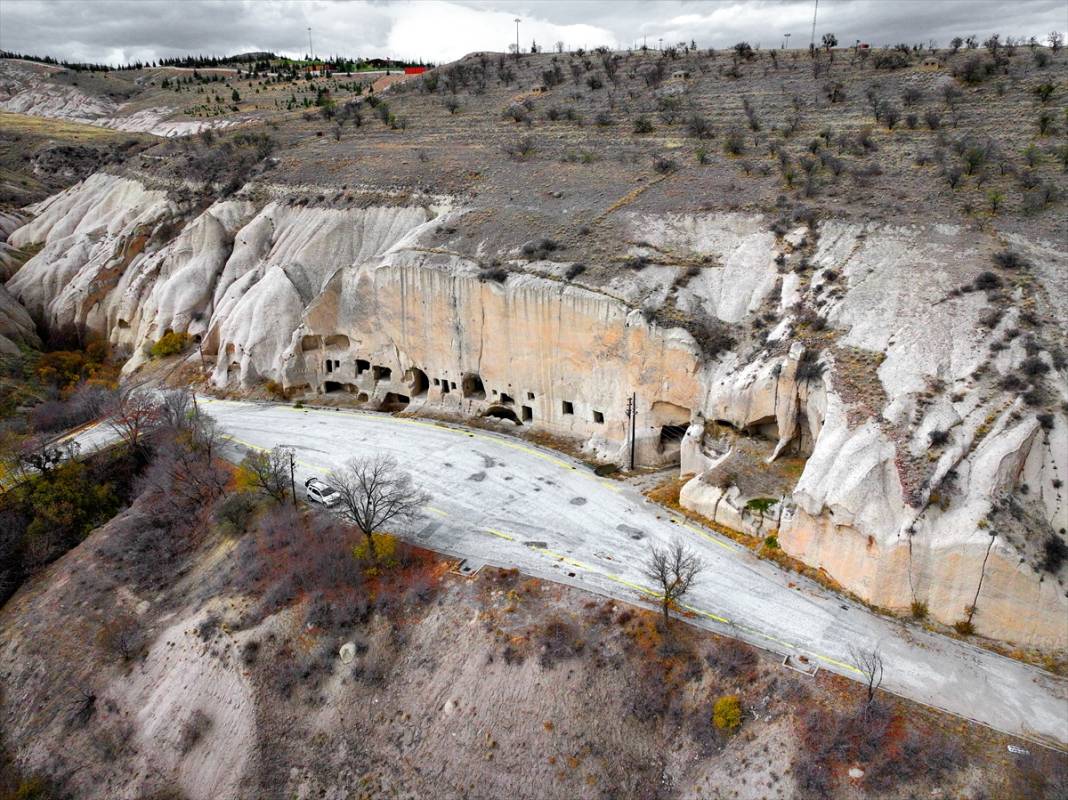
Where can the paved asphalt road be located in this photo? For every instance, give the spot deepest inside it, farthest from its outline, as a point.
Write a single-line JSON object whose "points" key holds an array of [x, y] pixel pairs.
{"points": [[499, 500]]}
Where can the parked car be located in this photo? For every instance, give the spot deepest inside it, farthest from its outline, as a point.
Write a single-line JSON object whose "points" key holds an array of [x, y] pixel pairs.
{"points": [[318, 491]]}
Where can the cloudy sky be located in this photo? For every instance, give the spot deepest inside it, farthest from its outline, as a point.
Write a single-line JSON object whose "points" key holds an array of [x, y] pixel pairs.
{"points": [[115, 31]]}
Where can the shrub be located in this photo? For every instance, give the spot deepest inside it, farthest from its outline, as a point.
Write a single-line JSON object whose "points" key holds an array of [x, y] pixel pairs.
{"points": [[495, 274], [235, 511], [964, 627], [734, 142], [933, 119], [664, 165], [386, 549], [727, 713], [699, 127], [1044, 91], [171, 343], [919, 609], [975, 69], [1054, 553], [1033, 366], [559, 641], [732, 658], [574, 271], [771, 542], [890, 59], [712, 336], [520, 149], [1009, 259], [540, 248], [1045, 123], [987, 280], [937, 438], [643, 125], [122, 635]]}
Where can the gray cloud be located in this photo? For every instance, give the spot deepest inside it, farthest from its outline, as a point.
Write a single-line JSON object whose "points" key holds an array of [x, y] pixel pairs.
{"points": [[441, 30]]}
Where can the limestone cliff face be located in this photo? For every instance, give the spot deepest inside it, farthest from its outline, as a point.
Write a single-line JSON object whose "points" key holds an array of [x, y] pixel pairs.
{"points": [[822, 429]]}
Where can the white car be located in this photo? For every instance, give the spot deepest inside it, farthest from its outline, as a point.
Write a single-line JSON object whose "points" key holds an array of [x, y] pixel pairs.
{"points": [[318, 491]]}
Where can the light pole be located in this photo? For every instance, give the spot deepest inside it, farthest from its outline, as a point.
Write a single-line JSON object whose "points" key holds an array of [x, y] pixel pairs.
{"points": [[785, 41], [812, 41], [517, 38], [310, 50], [660, 43]]}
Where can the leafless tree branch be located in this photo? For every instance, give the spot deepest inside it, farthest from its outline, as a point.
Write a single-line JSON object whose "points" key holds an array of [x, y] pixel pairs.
{"points": [[673, 569], [374, 492]]}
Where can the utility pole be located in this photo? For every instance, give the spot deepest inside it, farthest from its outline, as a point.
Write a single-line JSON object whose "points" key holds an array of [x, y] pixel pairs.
{"points": [[785, 41], [517, 38], [311, 51], [292, 481], [632, 413], [812, 41]]}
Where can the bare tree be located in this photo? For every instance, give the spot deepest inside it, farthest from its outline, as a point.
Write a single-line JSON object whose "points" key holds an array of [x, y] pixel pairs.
{"points": [[184, 475], [176, 408], [133, 416], [870, 663], [270, 471], [673, 569], [375, 492], [121, 634]]}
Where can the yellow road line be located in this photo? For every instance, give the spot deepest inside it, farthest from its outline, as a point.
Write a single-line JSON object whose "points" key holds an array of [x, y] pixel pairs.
{"points": [[499, 534], [707, 614], [842, 664], [634, 586], [437, 511], [755, 632], [708, 536]]}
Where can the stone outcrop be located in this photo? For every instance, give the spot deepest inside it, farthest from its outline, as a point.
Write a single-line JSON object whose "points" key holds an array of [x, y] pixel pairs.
{"points": [[821, 433]]}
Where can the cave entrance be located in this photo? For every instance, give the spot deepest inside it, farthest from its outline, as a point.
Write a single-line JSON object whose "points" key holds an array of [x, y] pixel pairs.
{"points": [[501, 412], [672, 420], [671, 435], [418, 383], [394, 402], [333, 386], [764, 428], [471, 386]]}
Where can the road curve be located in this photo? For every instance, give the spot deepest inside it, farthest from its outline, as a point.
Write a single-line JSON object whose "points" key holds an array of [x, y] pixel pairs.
{"points": [[502, 501]]}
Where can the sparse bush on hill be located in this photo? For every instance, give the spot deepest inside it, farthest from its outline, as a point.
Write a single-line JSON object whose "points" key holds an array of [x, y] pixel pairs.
{"points": [[664, 165], [734, 142], [975, 69], [540, 248], [643, 125], [727, 713], [170, 344], [521, 149], [699, 127]]}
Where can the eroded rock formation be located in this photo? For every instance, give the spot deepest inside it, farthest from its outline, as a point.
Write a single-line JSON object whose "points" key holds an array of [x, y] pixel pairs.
{"points": [[870, 425]]}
